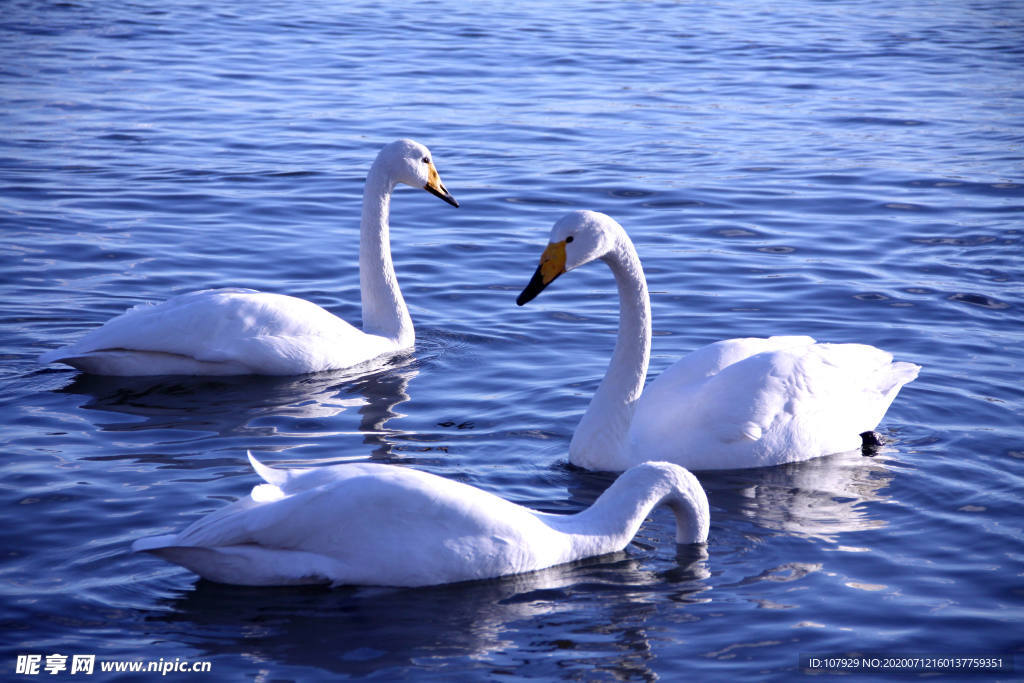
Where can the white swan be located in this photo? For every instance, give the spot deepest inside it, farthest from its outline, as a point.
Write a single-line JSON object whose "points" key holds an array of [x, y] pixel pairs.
{"points": [[732, 404], [242, 331], [386, 525]]}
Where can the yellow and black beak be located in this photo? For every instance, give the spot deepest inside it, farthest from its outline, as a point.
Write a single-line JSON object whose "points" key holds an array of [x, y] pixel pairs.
{"points": [[552, 264], [435, 187]]}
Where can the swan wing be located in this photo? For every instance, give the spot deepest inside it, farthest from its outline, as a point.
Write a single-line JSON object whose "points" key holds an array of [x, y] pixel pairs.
{"points": [[798, 401], [242, 331], [374, 524], [709, 360], [292, 503]]}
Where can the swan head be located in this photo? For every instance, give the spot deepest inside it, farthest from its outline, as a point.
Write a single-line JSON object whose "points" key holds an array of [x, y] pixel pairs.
{"points": [[576, 238], [409, 162], [686, 498]]}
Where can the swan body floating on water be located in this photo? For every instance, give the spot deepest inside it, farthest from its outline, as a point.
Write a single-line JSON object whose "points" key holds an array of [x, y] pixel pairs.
{"points": [[386, 525], [732, 404], [243, 331]]}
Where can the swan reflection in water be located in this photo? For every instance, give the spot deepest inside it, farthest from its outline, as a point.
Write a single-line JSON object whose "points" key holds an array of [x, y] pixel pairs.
{"points": [[820, 499], [793, 519], [258, 406]]}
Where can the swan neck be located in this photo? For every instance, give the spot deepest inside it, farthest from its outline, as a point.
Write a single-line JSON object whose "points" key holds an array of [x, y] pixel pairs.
{"points": [[599, 441], [384, 310], [615, 517]]}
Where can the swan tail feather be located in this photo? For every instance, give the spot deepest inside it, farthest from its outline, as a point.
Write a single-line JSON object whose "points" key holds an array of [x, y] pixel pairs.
{"points": [[902, 373], [154, 543], [53, 355], [272, 476]]}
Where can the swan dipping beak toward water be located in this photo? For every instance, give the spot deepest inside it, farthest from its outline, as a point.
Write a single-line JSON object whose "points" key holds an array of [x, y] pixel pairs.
{"points": [[388, 525], [246, 332], [750, 402]]}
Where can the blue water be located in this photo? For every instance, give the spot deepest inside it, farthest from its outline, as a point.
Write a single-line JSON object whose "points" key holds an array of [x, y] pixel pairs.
{"points": [[849, 170]]}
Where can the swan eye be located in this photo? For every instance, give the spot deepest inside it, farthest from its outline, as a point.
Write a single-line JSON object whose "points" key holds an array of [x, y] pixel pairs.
{"points": [[426, 160], [568, 239]]}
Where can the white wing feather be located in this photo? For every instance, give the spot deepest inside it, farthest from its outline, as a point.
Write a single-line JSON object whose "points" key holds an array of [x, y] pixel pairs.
{"points": [[241, 330]]}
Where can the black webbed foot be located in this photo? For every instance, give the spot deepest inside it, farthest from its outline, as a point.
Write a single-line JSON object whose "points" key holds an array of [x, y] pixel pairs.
{"points": [[870, 444]]}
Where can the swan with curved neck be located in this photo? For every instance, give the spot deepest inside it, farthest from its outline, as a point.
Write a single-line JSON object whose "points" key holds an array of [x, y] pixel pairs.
{"points": [[243, 331], [733, 404], [386, 525]]}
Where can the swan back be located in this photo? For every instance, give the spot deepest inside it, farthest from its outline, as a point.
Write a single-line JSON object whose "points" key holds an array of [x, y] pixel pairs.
{"points": [[779, 400], [363, 524], [221, 331]]}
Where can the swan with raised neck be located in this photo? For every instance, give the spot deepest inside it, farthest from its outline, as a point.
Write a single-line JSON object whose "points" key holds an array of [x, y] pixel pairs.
{"points": [[737, 403], [385, 313], [243, 331]]}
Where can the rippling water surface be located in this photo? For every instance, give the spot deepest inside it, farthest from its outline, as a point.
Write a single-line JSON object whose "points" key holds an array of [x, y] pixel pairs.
{"points": [[847, 170]]}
